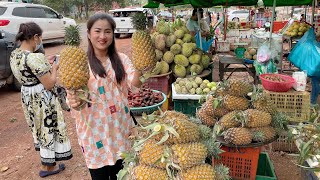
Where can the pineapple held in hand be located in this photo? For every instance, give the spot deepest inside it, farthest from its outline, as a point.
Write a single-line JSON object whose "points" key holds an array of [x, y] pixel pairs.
{"points": [[73, 66], [143, 52]]}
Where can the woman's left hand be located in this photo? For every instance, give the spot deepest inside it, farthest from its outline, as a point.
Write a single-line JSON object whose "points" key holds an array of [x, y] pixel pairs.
{"points": [[51, 58]]}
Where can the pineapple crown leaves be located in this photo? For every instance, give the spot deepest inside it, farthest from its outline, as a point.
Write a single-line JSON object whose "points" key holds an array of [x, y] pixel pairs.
{"points": [[139, 21], [217, 130], [72, 35], [222, 172], [259, 135], [214, 148], [241, 117], [305, 150], [280, 121], [129, 159], [256, 93], [156, 128], [205, 131], [314, 117]]}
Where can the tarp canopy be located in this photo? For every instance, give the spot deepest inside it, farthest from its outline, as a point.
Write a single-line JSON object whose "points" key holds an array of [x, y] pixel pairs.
{"points": [[201, 3], [287, 2], [211, 3]]}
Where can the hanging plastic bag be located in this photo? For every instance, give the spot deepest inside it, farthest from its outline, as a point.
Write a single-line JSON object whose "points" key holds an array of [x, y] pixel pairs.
{"points": [[265, 53], [206, 44], [306, 54], [263, 68]]}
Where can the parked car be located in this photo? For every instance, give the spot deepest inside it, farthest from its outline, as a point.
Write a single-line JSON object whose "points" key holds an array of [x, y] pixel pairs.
{"points": [[7, 45], [166, 15], [238, 15], [123, 19], [12, 14]]}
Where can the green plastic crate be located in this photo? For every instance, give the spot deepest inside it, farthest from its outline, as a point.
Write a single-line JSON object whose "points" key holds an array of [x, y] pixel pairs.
{"points": [[265, 169], [188, 107]]}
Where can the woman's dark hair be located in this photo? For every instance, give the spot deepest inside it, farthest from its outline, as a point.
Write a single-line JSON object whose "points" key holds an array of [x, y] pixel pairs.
{"points": [[96, 65], [195, 10], [27, 31]]}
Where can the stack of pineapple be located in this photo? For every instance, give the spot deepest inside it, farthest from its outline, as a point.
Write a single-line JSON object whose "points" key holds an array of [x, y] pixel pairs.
{"points": [[175, 50], [241, 113], [180, 155]]}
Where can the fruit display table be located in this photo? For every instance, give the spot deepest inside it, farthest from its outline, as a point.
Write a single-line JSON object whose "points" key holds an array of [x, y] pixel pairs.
{"points": [[229, 63]]}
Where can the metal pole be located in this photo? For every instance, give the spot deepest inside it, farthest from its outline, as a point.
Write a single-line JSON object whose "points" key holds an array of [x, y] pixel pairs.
{"points": [[313, 10], [199, 18], [225, 23], [272, 20]]}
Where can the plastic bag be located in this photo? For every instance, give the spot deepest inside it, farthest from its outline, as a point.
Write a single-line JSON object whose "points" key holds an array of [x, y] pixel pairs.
{"points": [[205, 44], [265, 53], [263, 68], [305, 55], [301, 80]]}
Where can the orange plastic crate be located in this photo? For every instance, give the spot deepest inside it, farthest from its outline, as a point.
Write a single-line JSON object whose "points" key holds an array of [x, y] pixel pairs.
{"points": [[242, 162]]}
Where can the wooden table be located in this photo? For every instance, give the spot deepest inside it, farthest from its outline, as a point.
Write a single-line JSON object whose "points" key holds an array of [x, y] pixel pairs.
{"points": [[229, 63]]}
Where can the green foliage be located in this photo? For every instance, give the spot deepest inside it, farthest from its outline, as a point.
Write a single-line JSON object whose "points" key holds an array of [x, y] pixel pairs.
{"points": [[139, 21], [72, 36]]}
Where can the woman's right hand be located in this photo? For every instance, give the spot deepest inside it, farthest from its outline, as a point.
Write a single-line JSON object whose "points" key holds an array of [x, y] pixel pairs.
{"points": [[74, 100]]}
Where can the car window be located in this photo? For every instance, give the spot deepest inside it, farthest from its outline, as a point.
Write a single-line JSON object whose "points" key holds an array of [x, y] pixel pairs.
{"points": [[50, 14], [2, 10], [35, 12], [20, 11]]}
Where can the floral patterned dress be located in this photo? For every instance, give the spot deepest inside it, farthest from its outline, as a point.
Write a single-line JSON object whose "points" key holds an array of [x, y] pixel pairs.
{"points": [[104, 125], [41, 107]]}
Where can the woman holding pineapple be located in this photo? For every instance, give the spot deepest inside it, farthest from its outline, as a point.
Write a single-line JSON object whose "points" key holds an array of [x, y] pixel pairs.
{"points": [[41, 107], [104, 125]]}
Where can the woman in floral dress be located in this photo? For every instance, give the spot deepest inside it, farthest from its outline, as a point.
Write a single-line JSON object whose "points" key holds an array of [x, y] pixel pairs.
{"points": [[104, 126], [41, 107]]}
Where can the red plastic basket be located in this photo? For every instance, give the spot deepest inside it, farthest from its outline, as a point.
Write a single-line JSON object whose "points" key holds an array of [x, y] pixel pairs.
{"points": [[277, 86], [160, 83], [242, 162]]}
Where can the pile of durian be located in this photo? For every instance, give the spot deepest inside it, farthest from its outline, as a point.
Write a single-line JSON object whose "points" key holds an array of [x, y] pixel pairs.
{"points": [[177, 51]]}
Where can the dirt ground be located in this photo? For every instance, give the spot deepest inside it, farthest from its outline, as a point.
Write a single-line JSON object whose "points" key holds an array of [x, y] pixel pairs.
{"points": [[23, 163]]}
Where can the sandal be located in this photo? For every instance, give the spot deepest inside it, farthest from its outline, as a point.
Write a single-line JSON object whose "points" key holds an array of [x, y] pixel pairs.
{"points": [[49, 173]]}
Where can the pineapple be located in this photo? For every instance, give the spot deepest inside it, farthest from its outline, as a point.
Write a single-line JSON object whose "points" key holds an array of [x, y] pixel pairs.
{"points": [[238, 136], [188, 155], [229, 120], [188, 131], [235, 103], [205, 118], [236, 87], [73, 66], [143, 51], [220, 111], [256, 118], [263, 134], [262, 102], [143, 172], [151, 154], [208, 106], [200, 172]]}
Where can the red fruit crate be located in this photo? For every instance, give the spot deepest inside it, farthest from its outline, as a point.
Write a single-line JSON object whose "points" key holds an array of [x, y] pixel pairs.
{"points": [[160, 83], [242, 162]]}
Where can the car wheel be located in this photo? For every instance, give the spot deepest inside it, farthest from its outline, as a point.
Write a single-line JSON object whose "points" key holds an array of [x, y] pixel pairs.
{"points": [[16, 85], [236, 19], [117, 35]]}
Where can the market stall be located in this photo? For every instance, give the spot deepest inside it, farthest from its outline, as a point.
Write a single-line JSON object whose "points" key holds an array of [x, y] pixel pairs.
{"points": [[243, 116]]}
